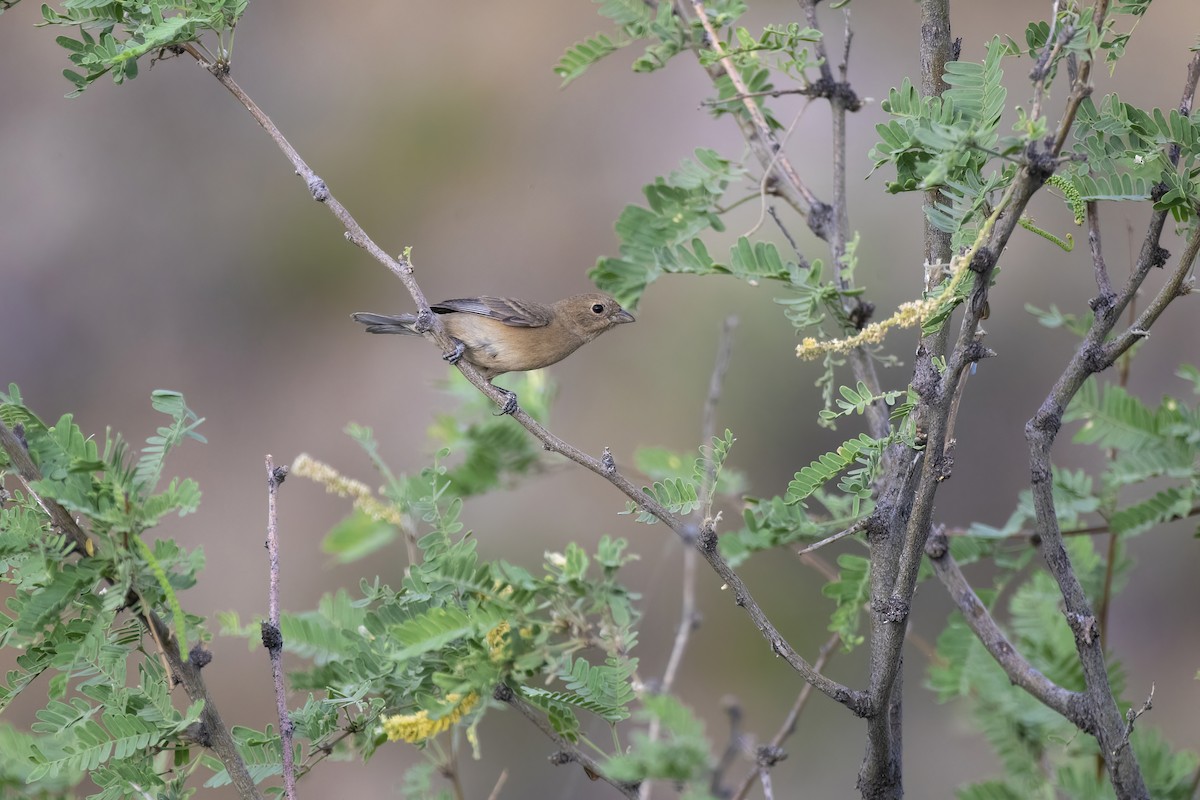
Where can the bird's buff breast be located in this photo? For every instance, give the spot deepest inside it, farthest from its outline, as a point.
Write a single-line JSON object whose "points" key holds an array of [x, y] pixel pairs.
{"points": [[497, 348]]}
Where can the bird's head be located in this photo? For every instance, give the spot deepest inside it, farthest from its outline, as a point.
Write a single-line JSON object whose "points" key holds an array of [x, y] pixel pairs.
{"points": [[589, 315]]}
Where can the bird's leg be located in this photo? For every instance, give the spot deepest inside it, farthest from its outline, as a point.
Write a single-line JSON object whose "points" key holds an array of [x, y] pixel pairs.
{"points": [[510, 403], [454, 355]]}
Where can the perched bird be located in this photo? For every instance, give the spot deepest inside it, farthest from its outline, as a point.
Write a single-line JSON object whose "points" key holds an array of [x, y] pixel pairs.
{"points": [[501, 334]]}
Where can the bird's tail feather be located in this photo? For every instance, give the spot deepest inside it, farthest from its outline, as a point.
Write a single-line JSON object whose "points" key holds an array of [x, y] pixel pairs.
{"points": [[384, 323]]}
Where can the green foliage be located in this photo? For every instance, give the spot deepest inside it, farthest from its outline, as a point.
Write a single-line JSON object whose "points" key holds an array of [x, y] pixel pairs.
{"points": [[664, 34], [784, 46], [934, 142], [114, 35], [862, 450], [1147, 446], [457, 626], [850, 591], [1123, 152], [857, 400], [1041, 753], [68, 605], [679, 491], [680, 756]]}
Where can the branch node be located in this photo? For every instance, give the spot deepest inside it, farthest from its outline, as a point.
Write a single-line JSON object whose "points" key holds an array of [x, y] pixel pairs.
{"points": [[938, 544], [318, 189], [1084, 626], [272, 637], [820, 219], [768, 755], [279, 475], [983, 261], [503, 692], [424, 322], [608, 462], [199, 657]]}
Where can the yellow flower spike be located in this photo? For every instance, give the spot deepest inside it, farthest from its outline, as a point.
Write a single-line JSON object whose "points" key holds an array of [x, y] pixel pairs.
{"points": [[419, 727], [336, 483], [497, 641]]}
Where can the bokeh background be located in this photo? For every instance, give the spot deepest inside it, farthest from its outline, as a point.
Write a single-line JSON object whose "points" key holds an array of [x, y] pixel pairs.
{"points": [[152, 236]]}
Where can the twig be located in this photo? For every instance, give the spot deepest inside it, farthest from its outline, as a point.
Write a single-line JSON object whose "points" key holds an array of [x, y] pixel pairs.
{"points": [[1103, 283], [567, 752], [708, 422], [495, 793], [733, 711], [1132, 715], [1071, 705], [1041, 431], [788, 727], [857, 527], [687, 613], [762, 131], [1095, 353], [272, 636], [768, 177], [215, 734], [706, 543]]}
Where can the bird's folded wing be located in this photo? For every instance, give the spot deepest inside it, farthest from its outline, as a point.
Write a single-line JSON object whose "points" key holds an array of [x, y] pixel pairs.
{"points": [[515, 313]]}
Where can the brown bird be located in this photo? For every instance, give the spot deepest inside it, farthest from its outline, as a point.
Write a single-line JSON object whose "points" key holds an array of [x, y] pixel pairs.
{"points": [[502, 334]]}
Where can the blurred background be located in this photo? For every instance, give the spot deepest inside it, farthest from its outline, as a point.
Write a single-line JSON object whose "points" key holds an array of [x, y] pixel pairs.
{"points": [[153, 237]]}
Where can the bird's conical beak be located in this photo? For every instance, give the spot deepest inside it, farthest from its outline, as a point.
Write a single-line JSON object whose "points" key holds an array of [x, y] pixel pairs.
{"points": [[622, 316]]}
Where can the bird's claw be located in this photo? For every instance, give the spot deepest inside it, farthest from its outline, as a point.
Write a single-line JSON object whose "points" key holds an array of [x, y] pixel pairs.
{"points": [[457, 353], [510, 403]]}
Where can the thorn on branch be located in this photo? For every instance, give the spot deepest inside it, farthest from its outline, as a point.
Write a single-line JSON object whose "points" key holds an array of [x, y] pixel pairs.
{"points": [[608, 462]]}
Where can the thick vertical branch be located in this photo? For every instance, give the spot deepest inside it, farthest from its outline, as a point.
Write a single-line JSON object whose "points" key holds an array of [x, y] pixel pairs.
{"points": [[880, 774]]}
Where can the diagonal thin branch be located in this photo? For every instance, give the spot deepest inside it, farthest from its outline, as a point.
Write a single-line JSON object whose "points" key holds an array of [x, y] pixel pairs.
{"points": [[567, 752], [762, 130], [705, 542], [1072, 705]]}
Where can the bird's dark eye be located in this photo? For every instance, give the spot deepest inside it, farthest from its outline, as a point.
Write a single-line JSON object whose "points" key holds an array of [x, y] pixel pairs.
{"points": [[598, 308]]}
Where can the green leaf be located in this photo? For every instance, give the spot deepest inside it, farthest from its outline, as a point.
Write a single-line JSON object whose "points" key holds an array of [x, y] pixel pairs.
{"points": [[581, 55], [851, 591], [828, 466]]}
